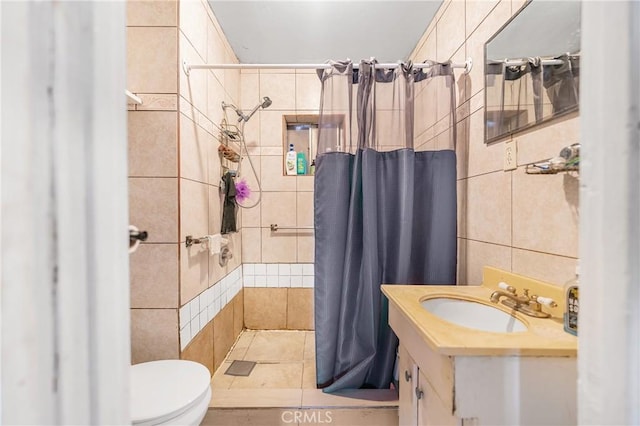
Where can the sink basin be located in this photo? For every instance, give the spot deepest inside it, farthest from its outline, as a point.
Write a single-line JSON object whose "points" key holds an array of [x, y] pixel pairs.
{"points": [[474, 315]]}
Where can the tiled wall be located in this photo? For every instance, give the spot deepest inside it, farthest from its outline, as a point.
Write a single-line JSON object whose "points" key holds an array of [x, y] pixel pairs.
{"points": [[277, 259], [174, 181], [522, 223]]}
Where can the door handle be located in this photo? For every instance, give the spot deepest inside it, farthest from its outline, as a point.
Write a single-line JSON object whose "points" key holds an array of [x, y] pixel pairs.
{"points": [[407, 376], [419, 393]]}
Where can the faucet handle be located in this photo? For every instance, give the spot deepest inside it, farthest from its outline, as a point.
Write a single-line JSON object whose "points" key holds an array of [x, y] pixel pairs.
{"points": [[547, 301], [506, 287]]}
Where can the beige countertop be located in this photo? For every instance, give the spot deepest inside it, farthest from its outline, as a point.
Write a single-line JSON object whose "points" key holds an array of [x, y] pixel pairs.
{"points": [[544, 336]]}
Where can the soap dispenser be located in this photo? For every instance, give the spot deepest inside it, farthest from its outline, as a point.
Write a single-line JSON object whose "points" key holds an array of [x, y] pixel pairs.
{"points": [[571, 307]]}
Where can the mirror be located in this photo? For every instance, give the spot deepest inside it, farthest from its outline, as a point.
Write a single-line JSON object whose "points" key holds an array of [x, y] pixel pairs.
{"points": [[532, 67]]}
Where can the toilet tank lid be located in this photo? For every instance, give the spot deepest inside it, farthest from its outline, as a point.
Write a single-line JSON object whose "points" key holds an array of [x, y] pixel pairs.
{"points": [[160, 388]]}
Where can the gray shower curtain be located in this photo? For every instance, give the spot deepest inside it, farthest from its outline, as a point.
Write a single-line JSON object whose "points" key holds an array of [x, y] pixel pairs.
{"points": [[385, 209]]}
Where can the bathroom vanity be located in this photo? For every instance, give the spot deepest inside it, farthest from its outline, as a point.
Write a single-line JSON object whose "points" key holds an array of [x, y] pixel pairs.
{"points": [[455, 375]]}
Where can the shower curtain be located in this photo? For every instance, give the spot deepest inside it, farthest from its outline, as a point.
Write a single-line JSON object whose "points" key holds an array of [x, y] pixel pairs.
{"points": [[385, 209]]}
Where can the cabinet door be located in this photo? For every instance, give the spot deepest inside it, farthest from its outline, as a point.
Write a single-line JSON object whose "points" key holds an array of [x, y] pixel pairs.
{"points": [[407, 402], [431, 409]]}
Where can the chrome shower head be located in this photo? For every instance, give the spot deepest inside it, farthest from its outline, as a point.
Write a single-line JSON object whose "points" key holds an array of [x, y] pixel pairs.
{"points": [[266, 103]]}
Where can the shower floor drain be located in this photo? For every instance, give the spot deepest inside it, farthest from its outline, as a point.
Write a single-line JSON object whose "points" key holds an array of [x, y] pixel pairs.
{"points": [[240, 368]]}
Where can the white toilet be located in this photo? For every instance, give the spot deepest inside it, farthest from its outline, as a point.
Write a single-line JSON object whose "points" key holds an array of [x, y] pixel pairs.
{"points": [[175, 392]]}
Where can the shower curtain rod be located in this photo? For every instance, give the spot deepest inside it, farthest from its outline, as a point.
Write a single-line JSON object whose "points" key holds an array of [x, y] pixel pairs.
{"points": [[186, 67], [516, 62]]}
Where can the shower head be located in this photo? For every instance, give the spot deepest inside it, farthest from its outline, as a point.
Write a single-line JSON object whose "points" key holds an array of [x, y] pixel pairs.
{"points": [[266, 103]]}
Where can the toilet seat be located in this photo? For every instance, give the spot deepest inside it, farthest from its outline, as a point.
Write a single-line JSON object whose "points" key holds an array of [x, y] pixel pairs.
{"points": [[164, 390]]}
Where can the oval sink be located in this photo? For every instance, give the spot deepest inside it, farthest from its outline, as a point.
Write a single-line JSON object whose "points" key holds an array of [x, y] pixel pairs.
{"points": [[474, 315]]}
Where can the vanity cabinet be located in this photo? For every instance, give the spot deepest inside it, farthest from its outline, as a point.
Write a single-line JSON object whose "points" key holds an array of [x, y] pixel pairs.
{"points": [[449, 390], [419, 402]]}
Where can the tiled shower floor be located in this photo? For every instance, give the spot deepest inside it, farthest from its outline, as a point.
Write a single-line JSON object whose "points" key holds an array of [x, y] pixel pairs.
{"points": [[281, 387]]}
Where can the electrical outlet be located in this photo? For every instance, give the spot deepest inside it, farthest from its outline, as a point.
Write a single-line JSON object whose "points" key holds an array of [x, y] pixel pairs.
{"points": [[510, 156]]}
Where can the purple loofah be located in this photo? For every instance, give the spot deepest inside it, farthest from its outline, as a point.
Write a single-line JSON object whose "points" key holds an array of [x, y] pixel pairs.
{"points": [[242, 190]]}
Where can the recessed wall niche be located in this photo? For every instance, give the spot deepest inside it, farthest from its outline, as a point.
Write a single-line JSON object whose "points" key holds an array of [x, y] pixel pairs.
{"points": [[300, 133]]}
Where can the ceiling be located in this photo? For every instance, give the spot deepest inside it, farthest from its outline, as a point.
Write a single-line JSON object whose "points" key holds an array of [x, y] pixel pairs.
{"points": [[308, 31]]}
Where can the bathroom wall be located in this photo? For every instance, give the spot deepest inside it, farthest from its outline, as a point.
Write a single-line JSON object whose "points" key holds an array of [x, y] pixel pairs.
{"points": [[522, 223], [184, 304], [273, 259]]}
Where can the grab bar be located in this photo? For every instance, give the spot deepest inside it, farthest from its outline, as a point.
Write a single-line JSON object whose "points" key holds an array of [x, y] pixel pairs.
{"points": [[274, 227]]}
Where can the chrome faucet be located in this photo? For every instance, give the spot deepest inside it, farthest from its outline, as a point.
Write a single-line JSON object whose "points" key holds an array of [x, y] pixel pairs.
{"points": [[528, 305]]}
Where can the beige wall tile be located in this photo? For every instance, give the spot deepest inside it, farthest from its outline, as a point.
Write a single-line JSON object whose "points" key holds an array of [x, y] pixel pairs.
{"points": [[215, 96], [476, 11], [154, 276], [463, 141], [516, 5], [195, 150], [223, 336], [546, 213], [235, 245], [281, 88], [450, 30], [483, 158], [278, 247], [474, 255], [152, 59], [215, 209], [488, 208], [157, 102], [252, 245], [216, 272], [475, 44], [259, 315], [232, 80], [251, 217], [306, 246], [271, 127], [153, 207], [194, 209], [304, 209], [154, 335], [300, 309], [546, 267], [308, 89], [427, 50], [194, 272], [201, 348], [249, 90], [193, 23], [304, 183], [238, 314], [279, 208], [272, 175], [215, 49], [145, 13], [547, 140], [194, 86]]}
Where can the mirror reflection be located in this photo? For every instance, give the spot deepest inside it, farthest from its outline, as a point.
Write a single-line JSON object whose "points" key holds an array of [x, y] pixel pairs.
{"points": [[532, 68]]}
